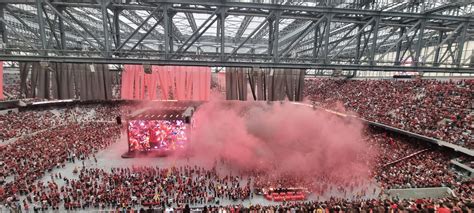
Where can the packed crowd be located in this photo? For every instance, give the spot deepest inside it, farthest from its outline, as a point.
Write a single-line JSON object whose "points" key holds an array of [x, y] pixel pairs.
{"points": [[28, 158], [333, 205], [154, 187], [73, 133], [11, 92], [17, 124], [148, 186], [439, 109], [404, 162], [11, 87]]}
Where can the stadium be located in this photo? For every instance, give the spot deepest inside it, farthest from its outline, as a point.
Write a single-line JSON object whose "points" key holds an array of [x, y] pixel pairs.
{"points": [[236, 106]]}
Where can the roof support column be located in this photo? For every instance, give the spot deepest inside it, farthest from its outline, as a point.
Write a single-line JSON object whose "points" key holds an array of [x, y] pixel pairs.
{"points": [[374, 40], [39, 12], [3, 28], [462, 40], [359, 38], [62, 34], [116, 22], [276, 36], [326, 38], [167, 30], [399, 46], [315, 44], [419, 44], [222, 15], [104, 5], [438, 50]]}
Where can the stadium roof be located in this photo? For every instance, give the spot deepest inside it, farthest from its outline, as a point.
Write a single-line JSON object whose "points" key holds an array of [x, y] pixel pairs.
{"points": [[321, 34]]}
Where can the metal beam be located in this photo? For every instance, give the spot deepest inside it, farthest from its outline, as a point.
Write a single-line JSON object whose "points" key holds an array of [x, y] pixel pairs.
{"points": [[62, 34], [374, 40], [101, 60], [42, 32], [31, 17], [436, 56], [419, 43], [306, 9], [276, 37], [20, 35], [359, 38], [3, 28], [137, 20], [52, 29], [104, 5], [354, 37], [315, 42], [303, 34], [167, 29], [85, 28], [291, 11], [243, 26], [263, 50], [136, 30], [403, 35], [222, 17], [196, 33], [146, 34], [12, 13], [455, 32], [264, 22], [191, 20], [462, 41], [116, 23], [70, 23], [199, 35]]}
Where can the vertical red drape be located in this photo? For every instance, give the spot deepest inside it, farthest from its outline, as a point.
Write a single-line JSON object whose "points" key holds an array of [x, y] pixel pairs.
{"points": [[151, 86], [194, 72], [164, 83], [189, 84], [180, 76], [136, 83], [128, 79], [171, 82]]}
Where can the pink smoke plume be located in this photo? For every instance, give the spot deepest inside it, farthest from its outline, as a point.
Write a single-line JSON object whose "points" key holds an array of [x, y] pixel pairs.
{"points": [[281, 138]]}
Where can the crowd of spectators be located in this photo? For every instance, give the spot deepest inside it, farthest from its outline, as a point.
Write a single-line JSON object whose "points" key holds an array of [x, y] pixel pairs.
{"points": [[75, 133], [11, 87], [332, 205], [17, 124], [435, 108], [11, 92], [404, 162], [28, 158], [148, 186], [400, 162]]}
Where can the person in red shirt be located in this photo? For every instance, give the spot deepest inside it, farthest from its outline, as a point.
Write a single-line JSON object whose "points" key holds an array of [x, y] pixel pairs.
{"points": [[443, 209]]}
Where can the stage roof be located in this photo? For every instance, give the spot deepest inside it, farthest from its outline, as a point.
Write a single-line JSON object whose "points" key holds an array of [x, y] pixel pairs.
{"points": [[169, 110], [171, 113]]}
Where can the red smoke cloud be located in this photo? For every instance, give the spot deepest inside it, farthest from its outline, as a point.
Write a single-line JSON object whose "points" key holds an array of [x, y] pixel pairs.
{"points": [[280, 138]]}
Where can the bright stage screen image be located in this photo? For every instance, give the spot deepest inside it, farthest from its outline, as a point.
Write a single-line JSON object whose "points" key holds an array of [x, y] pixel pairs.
{"points": [[146, 135]]}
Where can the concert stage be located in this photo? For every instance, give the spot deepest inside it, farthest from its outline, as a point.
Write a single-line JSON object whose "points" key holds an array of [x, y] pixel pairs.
{"points": [[159, 131]]}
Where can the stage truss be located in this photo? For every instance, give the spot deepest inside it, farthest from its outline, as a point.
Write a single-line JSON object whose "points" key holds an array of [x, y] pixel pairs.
{"points": [[384, 35]]}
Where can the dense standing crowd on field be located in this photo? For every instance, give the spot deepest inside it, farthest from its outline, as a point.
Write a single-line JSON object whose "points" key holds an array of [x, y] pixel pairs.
{"points": [[47, 139]]}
